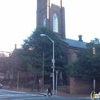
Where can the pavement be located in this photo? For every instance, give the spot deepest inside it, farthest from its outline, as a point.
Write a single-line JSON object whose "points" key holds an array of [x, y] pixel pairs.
{"points": [[59, 93]]}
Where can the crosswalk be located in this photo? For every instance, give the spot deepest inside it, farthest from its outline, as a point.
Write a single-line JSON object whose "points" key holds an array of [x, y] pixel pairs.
{"points": [[18, 95]]}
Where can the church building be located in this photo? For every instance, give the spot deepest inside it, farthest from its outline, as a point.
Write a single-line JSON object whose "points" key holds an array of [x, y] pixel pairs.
{"points": [[51, 14]]}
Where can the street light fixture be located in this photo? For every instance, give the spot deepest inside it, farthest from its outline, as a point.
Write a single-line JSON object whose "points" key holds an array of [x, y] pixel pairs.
{"points": [[53, 59]]}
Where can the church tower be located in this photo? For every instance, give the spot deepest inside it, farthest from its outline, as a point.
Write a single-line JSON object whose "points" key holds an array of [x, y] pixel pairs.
{"points": [[51, 14]]}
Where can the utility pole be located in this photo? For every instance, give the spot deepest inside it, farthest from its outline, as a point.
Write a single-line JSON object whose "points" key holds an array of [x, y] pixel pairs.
{"points": [[43, 74], [94, 81]]}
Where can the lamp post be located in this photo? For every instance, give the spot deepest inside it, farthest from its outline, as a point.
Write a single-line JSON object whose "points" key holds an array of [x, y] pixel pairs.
{"points": [[53, 59], [94, 81], [43, 73]]}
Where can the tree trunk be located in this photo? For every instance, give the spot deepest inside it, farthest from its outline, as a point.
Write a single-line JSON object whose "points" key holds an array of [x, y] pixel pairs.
{"points": [[34, 81]]}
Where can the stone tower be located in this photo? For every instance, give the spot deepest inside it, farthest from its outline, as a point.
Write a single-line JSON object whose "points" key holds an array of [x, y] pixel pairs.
{"points": [[51, 14]]}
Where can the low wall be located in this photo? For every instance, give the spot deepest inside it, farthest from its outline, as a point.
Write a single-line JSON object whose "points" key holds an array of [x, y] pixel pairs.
{"points": [[80, 86], [97, 83], [77, 86], [64, 89]]}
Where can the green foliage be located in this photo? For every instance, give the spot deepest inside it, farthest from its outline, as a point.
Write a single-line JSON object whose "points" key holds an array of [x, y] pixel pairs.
{"points": [[88, 64], [35, 45]]}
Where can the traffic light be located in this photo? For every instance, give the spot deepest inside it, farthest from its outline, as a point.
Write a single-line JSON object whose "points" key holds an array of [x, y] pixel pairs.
{"points": [[93, 50]]}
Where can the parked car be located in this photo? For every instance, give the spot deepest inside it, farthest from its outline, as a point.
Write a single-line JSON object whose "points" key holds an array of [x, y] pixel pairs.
{"points": [[1, 86]]}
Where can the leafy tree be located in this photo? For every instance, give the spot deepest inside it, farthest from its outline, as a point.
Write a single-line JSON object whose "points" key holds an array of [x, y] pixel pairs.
{"points": [[15, 63], [4, 63], [33, 48], [88, 63]]}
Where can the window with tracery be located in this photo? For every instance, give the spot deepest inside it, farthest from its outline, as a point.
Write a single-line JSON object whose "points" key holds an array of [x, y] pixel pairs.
{"points": [[44, 20], [55, 22]]}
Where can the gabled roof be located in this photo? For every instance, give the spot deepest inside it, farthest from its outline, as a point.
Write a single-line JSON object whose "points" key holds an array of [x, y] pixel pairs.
{"points": [[75, 43]]}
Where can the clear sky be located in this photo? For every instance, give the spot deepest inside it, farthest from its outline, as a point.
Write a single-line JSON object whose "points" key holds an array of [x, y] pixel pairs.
{"points": [[18, 20]]}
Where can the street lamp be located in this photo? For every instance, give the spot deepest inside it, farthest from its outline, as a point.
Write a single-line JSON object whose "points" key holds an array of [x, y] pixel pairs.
{"points": [[94, 81], [53, 59], [43, 74]]}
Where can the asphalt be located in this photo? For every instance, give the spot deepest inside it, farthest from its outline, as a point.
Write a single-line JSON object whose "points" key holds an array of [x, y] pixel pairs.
{"points": [[59, 93]]}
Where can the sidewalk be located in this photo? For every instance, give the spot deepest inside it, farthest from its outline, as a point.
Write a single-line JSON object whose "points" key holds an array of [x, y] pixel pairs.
{"points": [[63, 94]]}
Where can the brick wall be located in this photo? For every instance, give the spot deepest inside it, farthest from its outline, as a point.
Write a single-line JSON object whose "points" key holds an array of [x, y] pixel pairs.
{"points": [[97, 88], [64, 89], [80, 86]]}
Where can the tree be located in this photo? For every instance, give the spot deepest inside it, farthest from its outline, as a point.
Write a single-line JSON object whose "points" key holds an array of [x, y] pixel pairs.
{"points": [[88, 63], [4, 64], [33, 48]]}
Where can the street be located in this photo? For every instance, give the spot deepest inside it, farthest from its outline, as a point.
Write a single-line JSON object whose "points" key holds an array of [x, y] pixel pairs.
{"points": [[19, 95]]}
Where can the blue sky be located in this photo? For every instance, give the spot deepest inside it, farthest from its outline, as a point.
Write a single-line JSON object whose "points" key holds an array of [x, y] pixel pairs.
{"points": [[18, 20]]}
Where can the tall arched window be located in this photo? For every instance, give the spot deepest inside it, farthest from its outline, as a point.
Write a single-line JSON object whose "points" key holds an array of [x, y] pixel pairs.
{"points": [[44, 20], [55, 22]]}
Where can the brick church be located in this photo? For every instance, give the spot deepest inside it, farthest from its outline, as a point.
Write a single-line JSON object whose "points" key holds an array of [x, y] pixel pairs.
{"points": [[51, 14]]}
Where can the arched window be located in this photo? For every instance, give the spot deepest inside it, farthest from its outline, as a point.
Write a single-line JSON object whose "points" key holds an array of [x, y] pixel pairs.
{"points": [[55, 22], [44, 20]]}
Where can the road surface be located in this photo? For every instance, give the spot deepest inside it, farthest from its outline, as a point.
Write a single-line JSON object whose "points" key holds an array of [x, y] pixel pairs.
{"points": [[20, 95]]}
